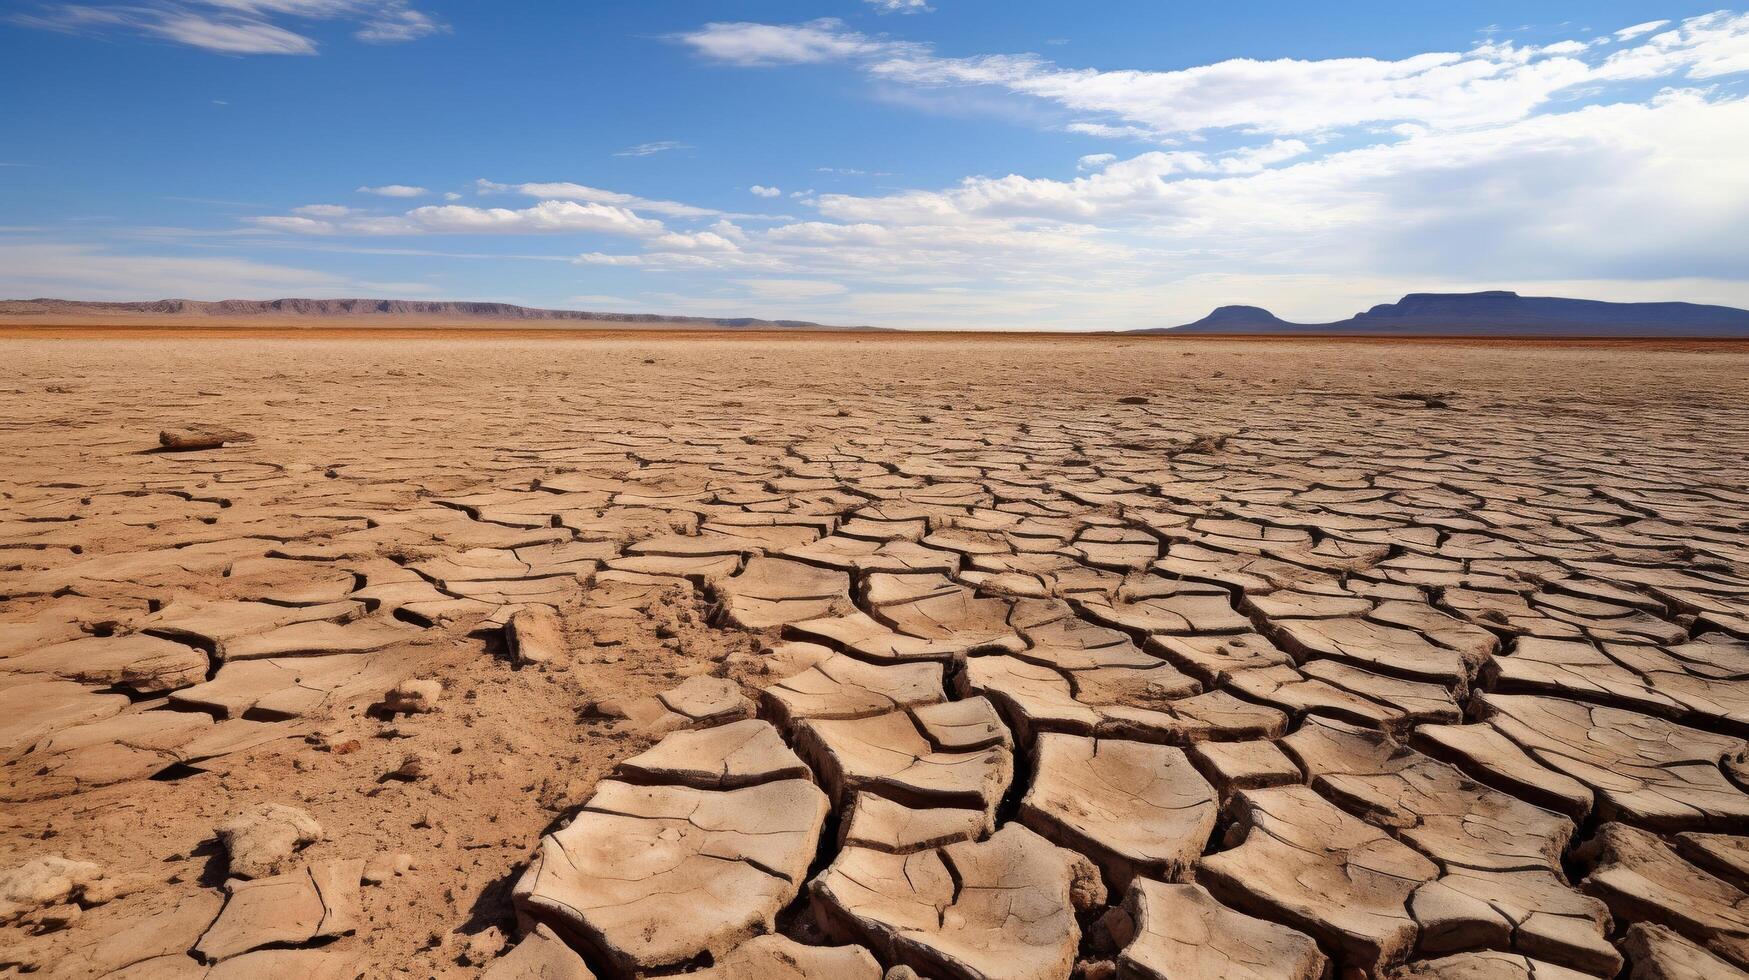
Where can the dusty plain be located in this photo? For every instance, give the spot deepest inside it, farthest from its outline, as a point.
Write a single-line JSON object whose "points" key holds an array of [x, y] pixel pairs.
{"points": [[832, 655]]}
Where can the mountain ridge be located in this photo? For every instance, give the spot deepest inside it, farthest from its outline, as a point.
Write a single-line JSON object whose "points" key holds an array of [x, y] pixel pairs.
{"points": [[1491, 313], [365, 308]]}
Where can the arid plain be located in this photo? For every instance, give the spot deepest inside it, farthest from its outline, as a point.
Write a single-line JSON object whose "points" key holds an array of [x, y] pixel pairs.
{"points": [[852, 655]]}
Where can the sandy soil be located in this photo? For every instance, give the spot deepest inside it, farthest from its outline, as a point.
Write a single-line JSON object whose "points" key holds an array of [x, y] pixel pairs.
{"points": [[1512, 578]]}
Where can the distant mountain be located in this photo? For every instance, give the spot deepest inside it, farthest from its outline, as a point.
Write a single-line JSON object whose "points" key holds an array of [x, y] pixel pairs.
{"points": [[371, 309], [1235, 319], [1496, 313]]}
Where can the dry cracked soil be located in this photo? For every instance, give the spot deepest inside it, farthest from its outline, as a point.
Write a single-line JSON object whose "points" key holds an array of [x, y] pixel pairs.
{"points": [[766, 657]]}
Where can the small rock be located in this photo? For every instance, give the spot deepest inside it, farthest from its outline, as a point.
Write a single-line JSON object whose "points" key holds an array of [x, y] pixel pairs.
{"points": [[413, 697], [378, 869], [111, 887], [1086, 888], [338, 743], [52, 918], [413, 766], [535, 636], [42, 882], [200, 437], [403, 863], [1095, 970], [482, 947], [901, 973], [541, 955], [261, 840], [604, 708]]}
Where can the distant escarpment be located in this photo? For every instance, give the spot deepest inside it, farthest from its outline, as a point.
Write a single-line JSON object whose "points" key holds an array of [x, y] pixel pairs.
{"points": [[366, 309]]}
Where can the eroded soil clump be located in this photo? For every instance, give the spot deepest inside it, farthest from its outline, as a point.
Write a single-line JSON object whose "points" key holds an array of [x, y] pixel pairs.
{"points": [[830, 657]]}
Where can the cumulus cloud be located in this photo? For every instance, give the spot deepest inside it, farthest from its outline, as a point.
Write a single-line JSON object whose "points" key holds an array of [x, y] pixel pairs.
{"points": [[239, 27], [760, 190], [395, 190]]}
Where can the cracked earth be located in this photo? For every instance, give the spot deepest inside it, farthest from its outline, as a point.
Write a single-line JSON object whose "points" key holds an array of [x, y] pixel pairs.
{"points": [[862, 657]]}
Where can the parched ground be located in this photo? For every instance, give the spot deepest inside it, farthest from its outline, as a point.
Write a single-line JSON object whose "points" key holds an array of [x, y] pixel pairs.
{"points": [[834, 656]]}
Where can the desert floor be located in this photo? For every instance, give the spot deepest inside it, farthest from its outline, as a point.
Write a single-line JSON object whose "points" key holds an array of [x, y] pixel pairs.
{"points": [[982, 657]]}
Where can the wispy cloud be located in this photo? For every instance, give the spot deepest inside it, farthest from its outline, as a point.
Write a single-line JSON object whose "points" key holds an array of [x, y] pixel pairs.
{"points": [[900, 6], [647, 149], [759, 190], [753, 45], [394, 190], [239, 27], [545, 217], [1491, 84], [791, 288], [567, 191]]}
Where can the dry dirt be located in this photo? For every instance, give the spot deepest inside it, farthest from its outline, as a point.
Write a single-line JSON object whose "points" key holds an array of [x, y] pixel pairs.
{"points": [[841, 656]]}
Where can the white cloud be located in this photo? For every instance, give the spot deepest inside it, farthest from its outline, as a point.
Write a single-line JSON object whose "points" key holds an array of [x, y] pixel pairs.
{"points": [[1627, 201], [565, 191], [1700, 47], [1110, 132], [395, 190], [239, 27], [397, 23], [1251, 159], [1492, 84], [649, 149], [323, 210], [1095, 161], [301, 225], [1629, 33], [229, 36], [826, 39], [545, 217], [762, 191], [698, 241], [900, 6]]}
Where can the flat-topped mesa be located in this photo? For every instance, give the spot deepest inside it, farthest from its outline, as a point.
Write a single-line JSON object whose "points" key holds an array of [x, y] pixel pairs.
{"points": [[1493, 313]]}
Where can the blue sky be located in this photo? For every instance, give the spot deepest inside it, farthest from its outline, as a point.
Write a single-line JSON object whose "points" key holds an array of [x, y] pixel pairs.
{"points": [[957, 164]]}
